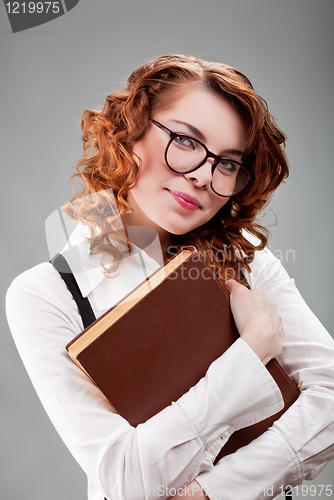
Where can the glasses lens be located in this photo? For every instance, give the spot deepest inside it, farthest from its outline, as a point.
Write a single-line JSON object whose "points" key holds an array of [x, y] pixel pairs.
{"points": [[184, 154], [229, 178]]}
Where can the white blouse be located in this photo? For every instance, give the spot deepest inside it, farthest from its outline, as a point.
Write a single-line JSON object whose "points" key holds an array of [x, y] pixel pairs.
{"points": [[179, 443]]}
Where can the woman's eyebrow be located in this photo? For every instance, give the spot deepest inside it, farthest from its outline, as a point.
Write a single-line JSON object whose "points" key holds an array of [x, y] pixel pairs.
{"points": [[233, 152], [195, 131]]}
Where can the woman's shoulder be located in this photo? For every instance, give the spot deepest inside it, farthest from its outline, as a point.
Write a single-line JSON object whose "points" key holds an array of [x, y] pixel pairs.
{"points": [[266, 268], [35, 280], [39, 296]]}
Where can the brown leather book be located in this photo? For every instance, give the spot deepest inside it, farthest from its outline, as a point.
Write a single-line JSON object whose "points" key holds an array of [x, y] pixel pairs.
{"points": [[160, 340]]}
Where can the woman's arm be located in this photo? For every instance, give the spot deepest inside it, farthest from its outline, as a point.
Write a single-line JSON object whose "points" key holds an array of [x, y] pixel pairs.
{"points": [[124, 462], [301, 442]]}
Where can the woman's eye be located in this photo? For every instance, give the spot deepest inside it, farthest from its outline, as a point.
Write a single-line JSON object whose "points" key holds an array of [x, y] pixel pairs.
{"points": [[227, 167], [185, 142]]}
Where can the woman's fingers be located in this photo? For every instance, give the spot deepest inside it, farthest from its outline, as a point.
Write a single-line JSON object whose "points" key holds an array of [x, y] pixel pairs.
{"points": [[257, 320], [192, 490]]}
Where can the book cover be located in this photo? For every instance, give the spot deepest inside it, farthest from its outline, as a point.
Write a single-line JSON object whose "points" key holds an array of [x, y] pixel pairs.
{"points": [[161, 339]]}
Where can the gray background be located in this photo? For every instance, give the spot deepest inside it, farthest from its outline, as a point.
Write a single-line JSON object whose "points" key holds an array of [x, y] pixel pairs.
{"points": [[51, 73]]}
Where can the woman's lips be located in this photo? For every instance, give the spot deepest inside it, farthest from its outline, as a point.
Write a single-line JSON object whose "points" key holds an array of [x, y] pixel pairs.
{"points": [[185, 201]]}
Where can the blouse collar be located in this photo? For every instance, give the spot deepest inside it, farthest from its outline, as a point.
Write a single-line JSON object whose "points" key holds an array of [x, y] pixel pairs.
{"points": [[134, 268]]}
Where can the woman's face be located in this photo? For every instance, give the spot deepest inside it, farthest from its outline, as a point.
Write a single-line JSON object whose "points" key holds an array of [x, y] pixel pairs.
{"points": [[175, 203]]}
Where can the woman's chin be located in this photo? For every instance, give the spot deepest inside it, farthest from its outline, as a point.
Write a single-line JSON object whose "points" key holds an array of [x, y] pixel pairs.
{"points": [[179, 231]]}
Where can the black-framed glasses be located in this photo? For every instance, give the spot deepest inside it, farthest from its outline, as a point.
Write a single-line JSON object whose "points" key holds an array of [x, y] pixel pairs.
{"points": [[184, 154]]}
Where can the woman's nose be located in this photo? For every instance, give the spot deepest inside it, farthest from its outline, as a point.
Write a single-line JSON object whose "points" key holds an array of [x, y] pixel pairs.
{"points": [[202, 176]]}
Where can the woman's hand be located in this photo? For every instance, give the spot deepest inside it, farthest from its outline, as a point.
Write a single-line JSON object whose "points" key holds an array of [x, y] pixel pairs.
{"points": [[192, 490], [257, 320]]}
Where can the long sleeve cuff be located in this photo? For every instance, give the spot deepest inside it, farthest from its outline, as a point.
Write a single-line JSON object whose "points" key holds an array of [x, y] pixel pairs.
{"points": [[258, 471], [237, 391]]}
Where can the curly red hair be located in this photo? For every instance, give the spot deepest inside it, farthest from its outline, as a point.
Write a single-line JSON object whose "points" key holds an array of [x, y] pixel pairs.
{"points": [[109, 135]]}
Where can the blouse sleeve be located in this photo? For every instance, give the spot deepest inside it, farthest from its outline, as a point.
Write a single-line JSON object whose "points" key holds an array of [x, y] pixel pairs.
{"points": [[301, 442], [123, 462]]}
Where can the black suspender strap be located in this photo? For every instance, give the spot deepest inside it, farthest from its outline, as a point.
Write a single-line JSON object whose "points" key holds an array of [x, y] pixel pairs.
{"points": [[85, 309], [288, 494]]}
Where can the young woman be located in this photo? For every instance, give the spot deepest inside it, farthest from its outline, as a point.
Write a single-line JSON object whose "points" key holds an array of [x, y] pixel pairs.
{"points": [[190, 150]]}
